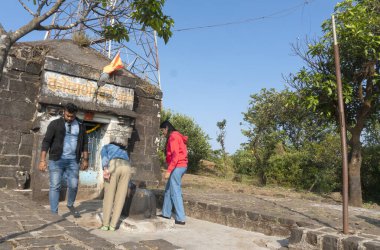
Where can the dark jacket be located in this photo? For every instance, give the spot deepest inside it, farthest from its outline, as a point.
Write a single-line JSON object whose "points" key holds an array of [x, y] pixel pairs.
{"points": [[54, 138]]}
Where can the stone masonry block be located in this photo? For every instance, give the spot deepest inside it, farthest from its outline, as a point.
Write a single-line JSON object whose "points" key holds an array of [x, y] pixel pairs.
{"points": [[213, 208], [196, 213], [27, 139], [33, 67], [17, 109], [268, 218], [221, 219], [351, 243], [211, 216], [280, 231], [25, 149], [226, 210], [10, 149], [8, 171], [147, 167], [31, 92], [9, 160], [202, 206], [253, 216], [265, 228], [312, 237], [286, 222], [13, 96], [372, 245], [4, 83], [17, 64], [251, 225], [12, 124], [8, 182], [25, 162], [11, 137], [17, 86], [330, 242], [147, 110], [191, 203], [295, 235], [240, 214], [31, 79]]}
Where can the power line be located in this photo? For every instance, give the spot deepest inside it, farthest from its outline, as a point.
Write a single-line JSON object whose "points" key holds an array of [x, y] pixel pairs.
{"points": [[284, 11]]}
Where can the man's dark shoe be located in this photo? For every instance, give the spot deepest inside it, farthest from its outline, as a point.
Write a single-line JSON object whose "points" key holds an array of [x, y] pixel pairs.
{"points": [[74, 212], [180, 222], [163, 217]]}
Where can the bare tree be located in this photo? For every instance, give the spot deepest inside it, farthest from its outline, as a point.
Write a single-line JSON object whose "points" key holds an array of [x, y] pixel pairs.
{"points": [[148, 13]]}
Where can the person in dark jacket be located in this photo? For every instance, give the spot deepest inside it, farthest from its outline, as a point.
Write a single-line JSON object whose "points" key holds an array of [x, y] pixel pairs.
{"points": [[176, 159], [66, 141]]}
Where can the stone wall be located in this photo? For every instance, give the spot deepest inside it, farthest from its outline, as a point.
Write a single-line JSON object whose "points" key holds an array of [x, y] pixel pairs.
{"points": [[238, 218], [317, 237], [18, 94], [144, 142]]}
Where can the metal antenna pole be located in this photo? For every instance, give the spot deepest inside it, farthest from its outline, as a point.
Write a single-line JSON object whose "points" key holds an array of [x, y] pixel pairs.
{"points": [[343, 133], [157, 60], [139, 53]]}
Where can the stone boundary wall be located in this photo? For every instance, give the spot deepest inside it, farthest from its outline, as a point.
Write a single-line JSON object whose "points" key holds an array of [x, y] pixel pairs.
{"points": [[301, 235], [317, 237], [247, 220]]}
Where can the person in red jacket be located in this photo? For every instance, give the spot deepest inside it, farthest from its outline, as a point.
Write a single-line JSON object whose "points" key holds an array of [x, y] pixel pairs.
{"points": [[176, 159]]}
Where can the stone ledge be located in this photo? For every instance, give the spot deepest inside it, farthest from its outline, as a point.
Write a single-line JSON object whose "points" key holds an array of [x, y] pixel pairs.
{"points": [[327, 239], [301, 234], [238, 218]]}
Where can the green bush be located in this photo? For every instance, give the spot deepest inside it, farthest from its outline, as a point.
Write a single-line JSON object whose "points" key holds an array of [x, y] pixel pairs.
{"points": [[243, 162], [286, 169]]}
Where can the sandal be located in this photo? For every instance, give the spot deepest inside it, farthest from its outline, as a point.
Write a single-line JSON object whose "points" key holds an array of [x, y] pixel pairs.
{"points": [[112, 228], [105, 228]]}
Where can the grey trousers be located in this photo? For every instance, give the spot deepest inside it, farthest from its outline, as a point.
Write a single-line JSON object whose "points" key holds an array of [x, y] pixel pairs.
{"points": [[115, 191]]}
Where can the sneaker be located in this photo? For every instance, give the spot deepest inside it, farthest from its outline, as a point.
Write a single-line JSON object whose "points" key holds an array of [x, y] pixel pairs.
{"points": [[112, 228], [180, 222], [104, 228], [74, 212]]}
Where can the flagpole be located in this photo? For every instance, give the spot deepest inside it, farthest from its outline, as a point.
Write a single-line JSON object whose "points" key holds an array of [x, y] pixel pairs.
{"points": [[343, 134]]}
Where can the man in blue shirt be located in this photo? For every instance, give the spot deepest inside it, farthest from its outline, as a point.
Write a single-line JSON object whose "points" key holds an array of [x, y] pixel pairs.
{"points": [[66, 141], [117, 172]]}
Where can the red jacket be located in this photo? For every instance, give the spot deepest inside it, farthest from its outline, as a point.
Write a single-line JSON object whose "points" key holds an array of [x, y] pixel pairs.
{"points": [[176, 151]]}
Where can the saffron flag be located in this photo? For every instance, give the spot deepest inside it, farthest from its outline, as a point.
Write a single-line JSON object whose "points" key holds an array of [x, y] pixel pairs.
{"points": [[116, 64]]}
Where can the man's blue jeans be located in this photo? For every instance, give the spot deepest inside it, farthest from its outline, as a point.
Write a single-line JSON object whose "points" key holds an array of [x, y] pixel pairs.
{"points": [[173, 195], [57, 169]]}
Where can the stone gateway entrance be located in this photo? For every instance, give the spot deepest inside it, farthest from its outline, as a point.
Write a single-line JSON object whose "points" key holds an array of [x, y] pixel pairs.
{"points": [[39, 79]]}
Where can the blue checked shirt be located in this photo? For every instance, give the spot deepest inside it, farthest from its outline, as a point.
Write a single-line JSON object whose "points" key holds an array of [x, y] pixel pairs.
{"points": [[111, 151]]}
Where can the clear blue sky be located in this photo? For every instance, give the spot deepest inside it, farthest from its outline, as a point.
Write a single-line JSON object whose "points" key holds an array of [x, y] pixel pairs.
{"points": [[209, 73]]}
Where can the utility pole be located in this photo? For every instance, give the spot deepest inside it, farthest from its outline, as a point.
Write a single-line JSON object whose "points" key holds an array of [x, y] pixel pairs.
{"points": [[343, 133]]}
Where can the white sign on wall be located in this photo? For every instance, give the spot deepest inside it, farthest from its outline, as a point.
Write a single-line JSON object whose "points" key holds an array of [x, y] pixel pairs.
{"points": [[56, 84]]}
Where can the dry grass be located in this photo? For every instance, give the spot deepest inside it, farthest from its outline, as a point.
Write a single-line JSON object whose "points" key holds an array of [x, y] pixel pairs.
{"points": [[211, 183]]}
